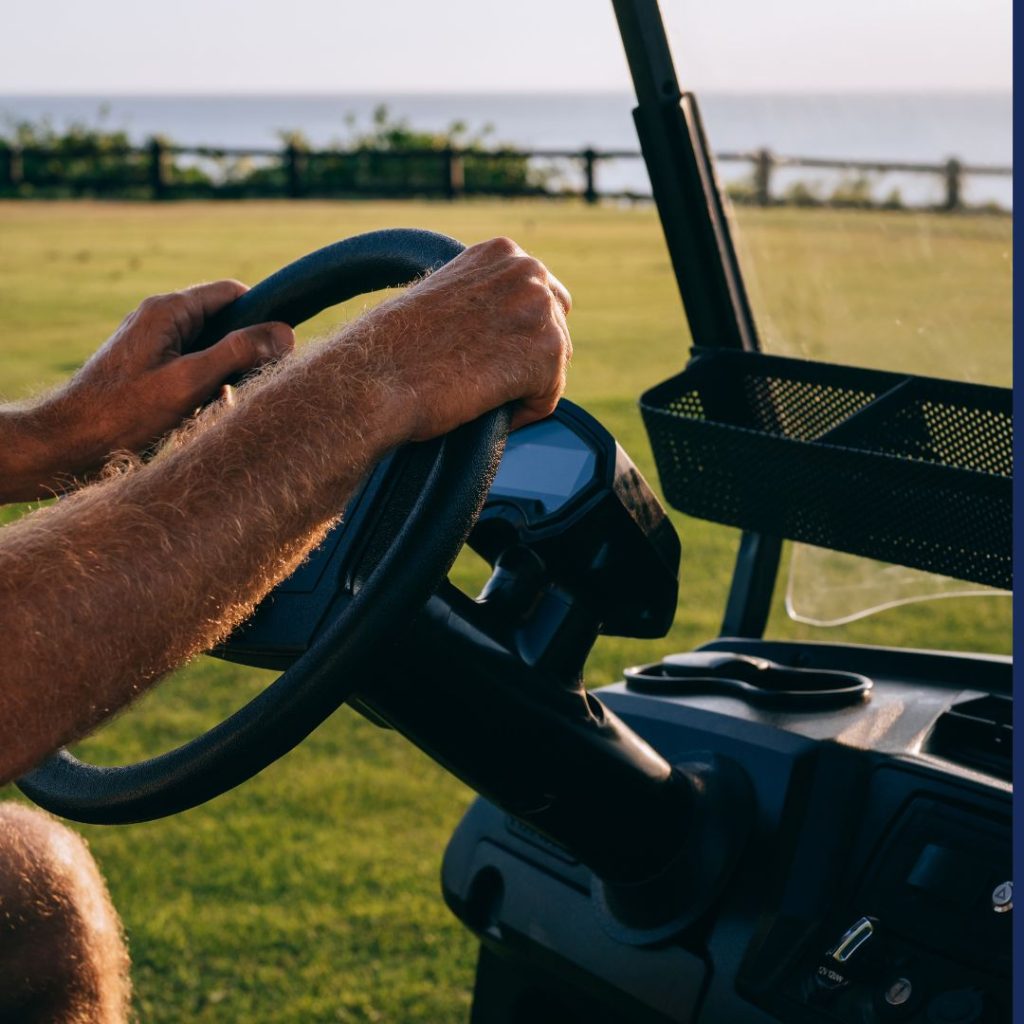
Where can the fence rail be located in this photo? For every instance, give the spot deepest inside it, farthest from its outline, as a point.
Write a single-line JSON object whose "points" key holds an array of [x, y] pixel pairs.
{"points": [[160, 170]]}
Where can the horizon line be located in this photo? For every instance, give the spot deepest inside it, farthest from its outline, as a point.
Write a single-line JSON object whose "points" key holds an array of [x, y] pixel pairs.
{"points": [[873, 90]]}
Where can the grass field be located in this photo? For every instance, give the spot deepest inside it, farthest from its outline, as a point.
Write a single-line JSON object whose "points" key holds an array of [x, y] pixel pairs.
{"points": [[311, 893]]}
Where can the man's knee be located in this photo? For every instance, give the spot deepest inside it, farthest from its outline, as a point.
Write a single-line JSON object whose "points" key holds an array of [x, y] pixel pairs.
{"points": [[62, 957]]}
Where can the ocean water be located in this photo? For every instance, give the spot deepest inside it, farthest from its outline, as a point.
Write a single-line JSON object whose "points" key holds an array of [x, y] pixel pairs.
{"points": [[974, 127]]}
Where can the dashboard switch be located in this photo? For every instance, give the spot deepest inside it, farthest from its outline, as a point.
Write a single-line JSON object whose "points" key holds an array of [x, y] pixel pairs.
{"points": [[897, 999], [1002, 897], [853, 939], [835, 969], [899, 992]]}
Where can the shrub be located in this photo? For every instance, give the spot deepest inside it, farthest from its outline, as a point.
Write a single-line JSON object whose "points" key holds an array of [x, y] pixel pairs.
{"points": [[742, 190], [80, 160], [894, 200], [390, 156], [853, 193], [800, 193]]}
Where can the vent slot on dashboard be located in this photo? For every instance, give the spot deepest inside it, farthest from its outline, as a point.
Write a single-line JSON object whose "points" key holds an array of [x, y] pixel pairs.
{"points": [[977, 733]]}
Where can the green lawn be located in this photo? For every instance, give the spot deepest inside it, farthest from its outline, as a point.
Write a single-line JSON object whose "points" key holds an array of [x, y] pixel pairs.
{"points": [[311, 894]]}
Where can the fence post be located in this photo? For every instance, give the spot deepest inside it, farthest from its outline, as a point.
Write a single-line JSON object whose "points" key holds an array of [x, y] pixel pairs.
{"points": [[953, 173], [764, 163], [454, 171], [590, 170], [293, 170], [157, 178]]}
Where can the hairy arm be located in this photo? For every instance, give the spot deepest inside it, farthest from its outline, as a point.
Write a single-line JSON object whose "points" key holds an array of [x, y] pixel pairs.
{"points": [[106, 591]]}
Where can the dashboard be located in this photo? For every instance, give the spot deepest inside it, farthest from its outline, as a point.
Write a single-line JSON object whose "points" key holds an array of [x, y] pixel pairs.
{"points": [[876, 886]]}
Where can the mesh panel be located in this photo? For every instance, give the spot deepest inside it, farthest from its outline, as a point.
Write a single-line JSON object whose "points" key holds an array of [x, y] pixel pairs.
{"points": [[797, 409], [910, 470]]}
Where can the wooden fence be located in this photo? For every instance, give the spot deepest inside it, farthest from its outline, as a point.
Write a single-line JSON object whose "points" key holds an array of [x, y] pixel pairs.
{"points": [[161, 171]]}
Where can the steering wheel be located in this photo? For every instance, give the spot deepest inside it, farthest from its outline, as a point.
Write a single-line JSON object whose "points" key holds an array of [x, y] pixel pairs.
{"points": [[434, 492]]}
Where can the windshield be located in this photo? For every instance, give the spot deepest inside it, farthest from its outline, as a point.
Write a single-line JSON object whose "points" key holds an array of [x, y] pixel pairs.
{"points": [[871, 204], [913, 291]]}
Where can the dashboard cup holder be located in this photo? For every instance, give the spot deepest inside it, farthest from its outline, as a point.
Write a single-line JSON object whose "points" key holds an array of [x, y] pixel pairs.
{"points": [[756, 681]]}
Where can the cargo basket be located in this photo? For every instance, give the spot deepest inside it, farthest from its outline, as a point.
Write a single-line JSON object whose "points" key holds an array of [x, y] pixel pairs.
{"points": [[912, 470]]}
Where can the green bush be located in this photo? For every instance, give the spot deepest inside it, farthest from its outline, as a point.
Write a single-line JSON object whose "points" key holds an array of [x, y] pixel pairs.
{"points": [[800, 193], [894, 200], [742, 190], [37, 159], [853, 193], [388, 157]]}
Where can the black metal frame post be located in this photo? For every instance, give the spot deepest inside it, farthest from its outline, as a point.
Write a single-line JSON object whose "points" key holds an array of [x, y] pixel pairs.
{"points": [[707, 271]]}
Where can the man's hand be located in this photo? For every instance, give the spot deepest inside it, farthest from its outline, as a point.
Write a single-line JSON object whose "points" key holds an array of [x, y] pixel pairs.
{"points": [[493, 331], [486, 329], [134, 390], [139, 386]]}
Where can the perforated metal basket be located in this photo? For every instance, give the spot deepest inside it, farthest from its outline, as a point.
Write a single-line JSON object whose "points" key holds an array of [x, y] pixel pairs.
{"points": [[912, 470]]}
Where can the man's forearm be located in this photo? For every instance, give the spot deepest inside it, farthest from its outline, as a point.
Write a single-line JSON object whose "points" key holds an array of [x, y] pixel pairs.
{"points": [[112, 587]]}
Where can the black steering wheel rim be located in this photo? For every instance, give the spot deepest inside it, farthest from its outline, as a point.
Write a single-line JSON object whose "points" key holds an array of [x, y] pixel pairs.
{"points": [[457, 470]]}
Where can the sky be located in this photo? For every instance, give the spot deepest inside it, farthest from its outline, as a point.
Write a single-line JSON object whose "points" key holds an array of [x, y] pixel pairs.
{"points": [[138, 46]]}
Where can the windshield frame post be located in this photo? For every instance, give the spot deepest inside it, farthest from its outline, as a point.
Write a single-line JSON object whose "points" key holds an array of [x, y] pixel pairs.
{"points": [[693, 219]]}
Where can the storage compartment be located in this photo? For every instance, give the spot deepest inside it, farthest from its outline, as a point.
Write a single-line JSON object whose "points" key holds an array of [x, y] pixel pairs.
{"points": [[911, 470]]}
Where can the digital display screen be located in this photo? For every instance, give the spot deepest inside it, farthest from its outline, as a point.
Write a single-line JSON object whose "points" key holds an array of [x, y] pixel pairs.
{"points": [[550, 473]]}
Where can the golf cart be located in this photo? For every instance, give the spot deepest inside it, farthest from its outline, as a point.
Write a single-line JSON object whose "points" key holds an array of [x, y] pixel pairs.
{"points": [[754, 831]]}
